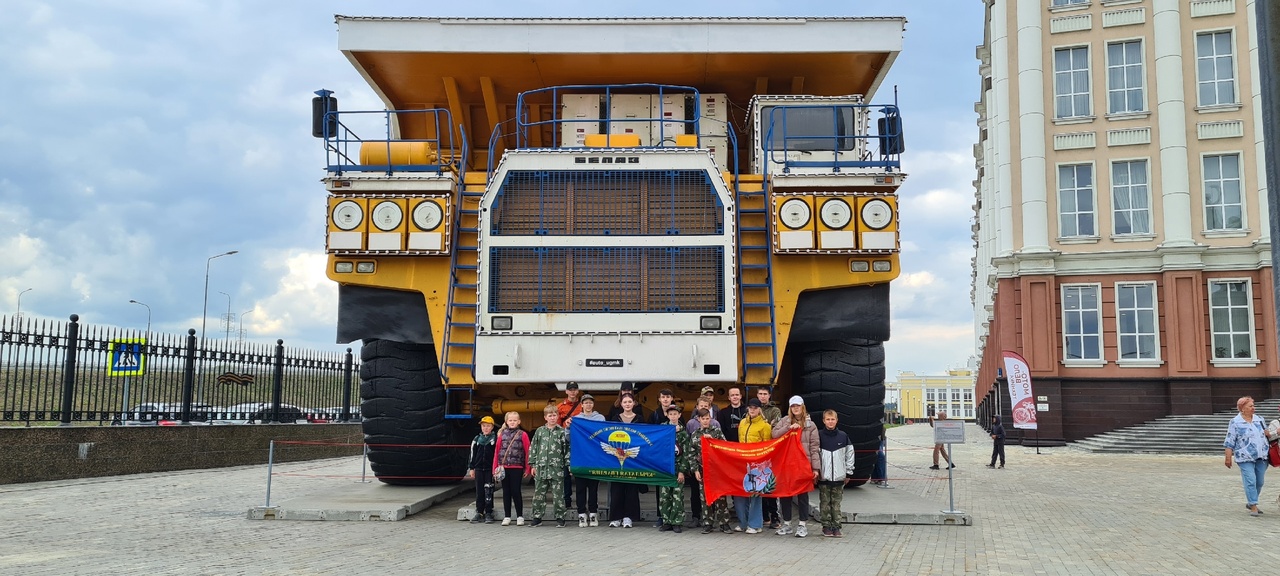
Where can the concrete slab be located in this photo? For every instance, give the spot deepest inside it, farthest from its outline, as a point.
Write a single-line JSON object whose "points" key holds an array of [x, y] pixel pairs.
{"points": [[372, 501]]}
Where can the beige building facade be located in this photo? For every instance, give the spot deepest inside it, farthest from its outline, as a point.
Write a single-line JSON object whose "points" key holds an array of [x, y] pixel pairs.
{"points": [[923, 394], [1121, 217]]}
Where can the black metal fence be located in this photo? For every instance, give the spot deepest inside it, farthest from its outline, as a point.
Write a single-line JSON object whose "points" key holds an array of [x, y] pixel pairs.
{"points": [[71, 372]]}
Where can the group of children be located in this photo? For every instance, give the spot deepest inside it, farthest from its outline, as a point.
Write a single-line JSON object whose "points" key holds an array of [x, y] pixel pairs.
{"points": [[508, 456]]}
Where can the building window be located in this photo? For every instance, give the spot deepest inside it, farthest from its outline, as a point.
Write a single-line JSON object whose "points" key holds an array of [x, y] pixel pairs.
{"points": [[1057, 3], [1136, 321], [1124, 77], [1231, 318], [1223, 204], [1071, 82], [1081, 322], [955, 396], [1215, 68], [1075, 201], [1130, 197]]}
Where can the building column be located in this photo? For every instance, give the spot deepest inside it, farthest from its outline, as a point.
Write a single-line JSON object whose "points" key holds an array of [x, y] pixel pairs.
{"points": [[1031, 132], [1171, 110], [999, 110], [1259, 154]]}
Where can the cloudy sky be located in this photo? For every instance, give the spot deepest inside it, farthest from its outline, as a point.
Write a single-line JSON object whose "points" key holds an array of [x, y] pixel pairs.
{"points": [[140, 137]]}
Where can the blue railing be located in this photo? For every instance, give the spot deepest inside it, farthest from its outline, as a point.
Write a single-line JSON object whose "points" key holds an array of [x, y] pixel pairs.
{"points": [[834, 136], [524, 124], [384, 153]]}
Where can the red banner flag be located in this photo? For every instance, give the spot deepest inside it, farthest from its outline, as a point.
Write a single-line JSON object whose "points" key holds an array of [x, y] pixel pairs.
{"points": [[775, 469]]}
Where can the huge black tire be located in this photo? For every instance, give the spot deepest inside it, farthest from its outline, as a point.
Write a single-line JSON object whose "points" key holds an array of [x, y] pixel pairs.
{"points": [[846, 376], [402, 401]]}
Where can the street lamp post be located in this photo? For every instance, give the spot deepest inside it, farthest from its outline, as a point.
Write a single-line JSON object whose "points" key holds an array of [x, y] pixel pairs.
{"points": [[204, 315], [242, 322], [146, 341], [17, 316], [227, 319]]}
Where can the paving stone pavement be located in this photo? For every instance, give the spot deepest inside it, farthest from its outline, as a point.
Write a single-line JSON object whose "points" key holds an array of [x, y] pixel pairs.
{"points": [[1063, 511]]}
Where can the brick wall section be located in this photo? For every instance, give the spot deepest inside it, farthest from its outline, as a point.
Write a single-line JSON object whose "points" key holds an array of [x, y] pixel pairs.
{"points": [[54, 453]]}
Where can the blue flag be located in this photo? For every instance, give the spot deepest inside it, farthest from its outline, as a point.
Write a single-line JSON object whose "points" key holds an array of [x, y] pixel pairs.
{"points": [[618, 452]]}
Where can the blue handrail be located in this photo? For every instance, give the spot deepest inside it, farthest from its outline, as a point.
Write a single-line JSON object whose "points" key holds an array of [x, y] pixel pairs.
{"points": [[342, 144], [524, 124], [847, 148]]}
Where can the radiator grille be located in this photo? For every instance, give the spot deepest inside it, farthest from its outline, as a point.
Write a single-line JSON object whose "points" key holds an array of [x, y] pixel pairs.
{"points": [[607, 202], [594, 279]]}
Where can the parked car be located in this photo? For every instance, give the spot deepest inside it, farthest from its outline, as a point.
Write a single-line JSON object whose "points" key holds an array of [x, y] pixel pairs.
{"points": [[153, 413], [259, 413]]}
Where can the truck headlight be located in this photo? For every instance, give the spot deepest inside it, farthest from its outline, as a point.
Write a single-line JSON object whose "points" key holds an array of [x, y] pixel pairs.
{"points": [[835, 213], [347, 215], [877, 214], [709, 322], [501, 323], [794, 213], [387, 215]]}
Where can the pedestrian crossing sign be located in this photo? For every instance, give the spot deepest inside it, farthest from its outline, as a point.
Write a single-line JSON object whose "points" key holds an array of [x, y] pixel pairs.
{"points": [[127, 357]]}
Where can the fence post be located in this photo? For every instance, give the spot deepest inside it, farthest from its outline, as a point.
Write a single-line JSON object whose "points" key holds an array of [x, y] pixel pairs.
{"points": [[189, 376], [277, 382], [346, 386], [69, 370]]}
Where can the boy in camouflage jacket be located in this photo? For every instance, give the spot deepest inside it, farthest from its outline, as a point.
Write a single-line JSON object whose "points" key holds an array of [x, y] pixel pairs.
{"points": [[548, 456], [717, 514], [671, 498]]}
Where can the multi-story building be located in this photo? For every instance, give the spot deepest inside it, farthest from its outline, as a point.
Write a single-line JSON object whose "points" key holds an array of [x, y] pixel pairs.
{"points": [[920, 395], [1121, 217]]}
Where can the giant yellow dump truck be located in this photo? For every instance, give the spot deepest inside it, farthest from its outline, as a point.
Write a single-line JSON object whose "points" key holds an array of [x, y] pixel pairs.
{"points": [[669, 202]]}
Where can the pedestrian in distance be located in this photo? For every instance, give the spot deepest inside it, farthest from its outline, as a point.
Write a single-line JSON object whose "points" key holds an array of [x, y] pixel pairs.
{"points": [[837, 457], [588, 489], [880, 475], [1246, 445], [671, 498], [510, 462], [797, 420], [547, 458], [480, 469], [939, 449], [751, 430], [717, 513], [997, 441]]}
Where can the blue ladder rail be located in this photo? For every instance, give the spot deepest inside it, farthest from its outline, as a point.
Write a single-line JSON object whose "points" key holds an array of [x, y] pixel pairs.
{"points": [[455, 284], [770, 326]]}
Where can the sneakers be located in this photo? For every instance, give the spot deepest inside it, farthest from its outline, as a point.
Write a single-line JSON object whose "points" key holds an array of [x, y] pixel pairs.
{"points": [[707, 529], [934, 467], [592, 520], [506, 521], [664, 527], [752, 531], [726, 529], [519, 520], [1000, 466], [477, 518], [488, 518], [802, 531], [784, 530], [773, 525], [737, 528], [536, 523], [826, 531], [582, 520], [991, 465], [677, 528], [560, 523], [626, 523], [615, 524], [952, 466], [836, 533]]}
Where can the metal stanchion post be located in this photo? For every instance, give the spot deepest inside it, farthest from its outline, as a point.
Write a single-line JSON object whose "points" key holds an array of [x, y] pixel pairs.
{"points": [[271, 458], [951, 487], [364, 463]]}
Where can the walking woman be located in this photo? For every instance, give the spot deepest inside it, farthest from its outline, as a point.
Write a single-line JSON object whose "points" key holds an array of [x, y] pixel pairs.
{"points": [[1246, 445]]}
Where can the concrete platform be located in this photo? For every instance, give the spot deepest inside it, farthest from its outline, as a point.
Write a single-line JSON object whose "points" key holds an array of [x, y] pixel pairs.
{"points": [[360, 501], [863, 505]]}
